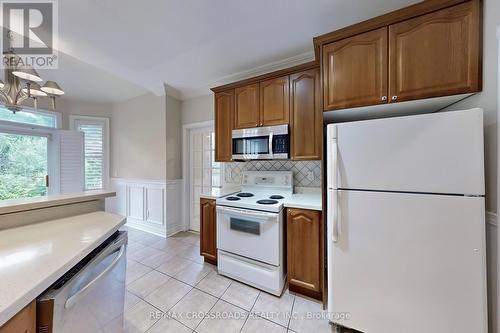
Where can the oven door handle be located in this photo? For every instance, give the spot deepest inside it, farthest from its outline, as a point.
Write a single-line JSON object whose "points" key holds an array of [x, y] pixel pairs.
{"points": [[246, 212]]}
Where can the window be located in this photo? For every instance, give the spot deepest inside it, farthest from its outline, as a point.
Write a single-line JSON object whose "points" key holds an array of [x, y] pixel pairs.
{"points": [[25, 137], [30, 117], [23, 166], [95, 149]]}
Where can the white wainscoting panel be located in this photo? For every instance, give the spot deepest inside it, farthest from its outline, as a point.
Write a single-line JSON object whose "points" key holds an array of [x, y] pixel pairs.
{"points": [[135, 201], [149, 205], [174, 206], [155, 204]]}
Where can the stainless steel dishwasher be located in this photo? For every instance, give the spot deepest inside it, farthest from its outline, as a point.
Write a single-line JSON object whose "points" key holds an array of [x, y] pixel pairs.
{"points": [[90, 297]]}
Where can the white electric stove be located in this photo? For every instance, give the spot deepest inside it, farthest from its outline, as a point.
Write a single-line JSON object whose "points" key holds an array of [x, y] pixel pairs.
{"points": [[250, 230]]}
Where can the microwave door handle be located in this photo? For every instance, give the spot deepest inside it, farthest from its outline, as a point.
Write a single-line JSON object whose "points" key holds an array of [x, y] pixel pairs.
{"points": [[271, 135], [83, 291]]}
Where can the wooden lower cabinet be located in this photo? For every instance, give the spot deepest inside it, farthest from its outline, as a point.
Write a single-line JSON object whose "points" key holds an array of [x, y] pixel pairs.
{"points": [[23, 322], [208, 230], [305, 252]]}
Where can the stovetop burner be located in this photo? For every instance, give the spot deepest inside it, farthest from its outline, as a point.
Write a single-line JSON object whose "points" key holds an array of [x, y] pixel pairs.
{"points": [[267, 202], [233, 198], [244, 195], [276, 196]]}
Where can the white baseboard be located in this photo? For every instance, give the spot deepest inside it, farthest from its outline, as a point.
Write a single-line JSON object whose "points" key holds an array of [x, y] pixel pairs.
{"points": [[141, 226]]}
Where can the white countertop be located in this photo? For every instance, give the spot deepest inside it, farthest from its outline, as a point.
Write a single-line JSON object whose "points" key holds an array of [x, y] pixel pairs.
{"points": [[306, 200], [33, 257], [23, 204], [214, 193]]}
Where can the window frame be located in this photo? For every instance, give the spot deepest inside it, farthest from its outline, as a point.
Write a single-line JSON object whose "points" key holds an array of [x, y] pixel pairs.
{"points": [[74, 119], [57, 115]]}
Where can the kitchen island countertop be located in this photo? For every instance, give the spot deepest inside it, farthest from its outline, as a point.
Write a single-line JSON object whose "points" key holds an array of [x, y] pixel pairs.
{"points": [[33, 257]]}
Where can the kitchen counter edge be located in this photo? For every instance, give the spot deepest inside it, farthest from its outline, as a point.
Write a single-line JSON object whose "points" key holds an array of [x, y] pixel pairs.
{"points": [[25, 204]]}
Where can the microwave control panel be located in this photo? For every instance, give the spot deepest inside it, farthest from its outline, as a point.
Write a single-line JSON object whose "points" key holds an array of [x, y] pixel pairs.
{"points": [[280, 144]]}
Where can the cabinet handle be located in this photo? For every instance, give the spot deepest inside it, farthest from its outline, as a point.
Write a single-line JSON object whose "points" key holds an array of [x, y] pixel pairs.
{"points": [[261, 124], [384, 98], [394, 98], [256, 125]]}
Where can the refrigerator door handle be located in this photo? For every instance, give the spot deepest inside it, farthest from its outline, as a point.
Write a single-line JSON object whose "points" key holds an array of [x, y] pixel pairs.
{"points": [[333, 215], [333, 168]]}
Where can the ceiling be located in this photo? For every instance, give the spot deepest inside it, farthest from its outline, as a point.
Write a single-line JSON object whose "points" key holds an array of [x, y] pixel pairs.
{"points": [[113, 50]]}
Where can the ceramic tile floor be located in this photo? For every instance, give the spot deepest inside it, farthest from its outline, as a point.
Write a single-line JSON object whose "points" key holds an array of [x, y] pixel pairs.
{"points": [[171, 289]]}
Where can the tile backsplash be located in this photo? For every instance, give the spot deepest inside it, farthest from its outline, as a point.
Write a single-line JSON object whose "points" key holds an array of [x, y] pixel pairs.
{"points": [[301, 169]]}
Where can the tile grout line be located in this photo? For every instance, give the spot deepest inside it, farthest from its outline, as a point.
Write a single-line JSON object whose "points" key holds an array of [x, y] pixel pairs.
{"points": [[250, 311], [195, 286]]}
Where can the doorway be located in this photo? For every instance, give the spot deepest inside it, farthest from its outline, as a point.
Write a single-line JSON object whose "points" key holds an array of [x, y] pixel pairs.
{"points": [[201, 172]]}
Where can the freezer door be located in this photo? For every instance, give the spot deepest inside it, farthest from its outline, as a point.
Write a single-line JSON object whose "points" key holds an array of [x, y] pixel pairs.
{"points": [[432, 153], [408, 263]]}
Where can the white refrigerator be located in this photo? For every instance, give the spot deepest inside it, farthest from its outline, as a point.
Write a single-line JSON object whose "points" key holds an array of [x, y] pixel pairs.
{"points": [[406, 224]]}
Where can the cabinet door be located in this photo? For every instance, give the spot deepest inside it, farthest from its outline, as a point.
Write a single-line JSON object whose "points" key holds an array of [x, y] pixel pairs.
{"points": [[274, 101], [304, 236], [208, 232], [22, 322], [247, 111], [224, 120], [436, 54], [355, 71], [306, 124]]}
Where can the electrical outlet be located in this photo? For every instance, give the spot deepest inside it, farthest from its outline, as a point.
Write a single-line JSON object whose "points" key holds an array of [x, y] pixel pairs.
{"points": [[310, 176]]}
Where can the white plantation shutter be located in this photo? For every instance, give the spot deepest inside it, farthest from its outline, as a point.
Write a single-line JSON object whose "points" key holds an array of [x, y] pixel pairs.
{"points": [[93, 154], [70, 161]]}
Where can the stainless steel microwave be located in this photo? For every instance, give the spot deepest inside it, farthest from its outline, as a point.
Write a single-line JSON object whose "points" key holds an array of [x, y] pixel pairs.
{"points": [[261, 143]]}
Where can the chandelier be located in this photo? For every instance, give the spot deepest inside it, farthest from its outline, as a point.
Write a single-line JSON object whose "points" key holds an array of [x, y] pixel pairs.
{"points": [[22, 83]]}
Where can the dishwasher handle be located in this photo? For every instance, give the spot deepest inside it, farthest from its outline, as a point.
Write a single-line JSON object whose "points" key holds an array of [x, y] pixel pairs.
{"points": [[80, 293]]}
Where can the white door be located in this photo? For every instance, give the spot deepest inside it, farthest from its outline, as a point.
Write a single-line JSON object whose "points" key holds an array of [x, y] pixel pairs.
{"points": [[204, 171], [408, 263], [432, 153]]}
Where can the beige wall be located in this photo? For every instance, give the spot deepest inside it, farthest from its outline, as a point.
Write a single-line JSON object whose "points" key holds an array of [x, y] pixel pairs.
{"points": [[174, 139], [138, 138], [69, 107], [198, 109]]}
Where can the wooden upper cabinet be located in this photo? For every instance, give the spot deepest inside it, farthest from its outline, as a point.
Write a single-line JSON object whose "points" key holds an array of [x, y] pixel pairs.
{"points": [[224, 121], [436, 54], [247, 110], [208, 230], [274, 101], [355, 71], [306, 125]]}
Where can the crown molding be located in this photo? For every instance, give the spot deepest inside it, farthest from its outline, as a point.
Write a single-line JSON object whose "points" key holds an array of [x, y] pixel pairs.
{"points": [[247, 74]]}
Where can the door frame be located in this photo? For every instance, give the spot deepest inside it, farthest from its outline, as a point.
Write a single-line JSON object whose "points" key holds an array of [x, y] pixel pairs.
{"points": [[186, 163], [498, 173]]}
